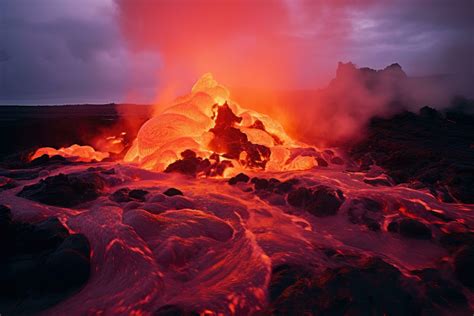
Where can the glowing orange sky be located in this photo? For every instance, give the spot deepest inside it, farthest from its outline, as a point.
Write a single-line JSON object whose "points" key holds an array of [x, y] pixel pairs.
{"points": [[60, 51], [278, 42]]}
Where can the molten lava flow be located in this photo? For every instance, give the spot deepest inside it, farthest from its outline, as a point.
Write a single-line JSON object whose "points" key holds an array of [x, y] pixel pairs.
{"points": [[220, 134], [111, 144], [74, 152]]}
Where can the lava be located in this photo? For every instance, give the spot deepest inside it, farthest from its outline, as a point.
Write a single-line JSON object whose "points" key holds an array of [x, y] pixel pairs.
{"points": [[215, 210], [152, 250], [74, 152], [209, 123]]}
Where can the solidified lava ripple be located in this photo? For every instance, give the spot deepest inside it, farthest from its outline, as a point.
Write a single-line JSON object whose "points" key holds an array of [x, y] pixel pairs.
{"points": [[260, 244]]}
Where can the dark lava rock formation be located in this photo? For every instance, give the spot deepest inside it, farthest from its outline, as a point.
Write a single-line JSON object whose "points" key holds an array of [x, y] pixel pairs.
{"points": [[127, 195], [366, 287], [241, 177], [41, 264], [172, 192], [66, 190], [228, 140], [429, 148], [365, 211], [463, 264], [232, 142], [174, 310], [410, 228], [319, 201], [273, 185], [194, 166]]}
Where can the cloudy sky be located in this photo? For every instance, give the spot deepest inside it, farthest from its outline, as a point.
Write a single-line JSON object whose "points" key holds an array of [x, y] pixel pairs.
{"points": [[68, 51]]}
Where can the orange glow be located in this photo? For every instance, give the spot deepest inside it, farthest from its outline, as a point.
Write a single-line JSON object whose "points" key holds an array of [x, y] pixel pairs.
{"points": [[190, 123], [112, 144], [74, 152]]}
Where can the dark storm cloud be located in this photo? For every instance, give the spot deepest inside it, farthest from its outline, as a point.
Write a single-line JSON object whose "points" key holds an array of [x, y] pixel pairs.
{"points": [[65, 51], [426, 37]]}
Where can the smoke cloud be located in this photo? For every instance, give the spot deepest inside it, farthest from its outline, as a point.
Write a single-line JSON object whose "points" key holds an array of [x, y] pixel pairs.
{"points": [[265, 49], [56, 52], [63, 51]]}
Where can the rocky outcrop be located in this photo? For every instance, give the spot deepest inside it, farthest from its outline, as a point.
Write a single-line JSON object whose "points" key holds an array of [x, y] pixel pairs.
{"points": [[366, 287], [430, 148], [40, 264], [66, 190]]}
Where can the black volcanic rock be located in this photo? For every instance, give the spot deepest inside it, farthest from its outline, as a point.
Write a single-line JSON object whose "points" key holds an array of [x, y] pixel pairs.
{"points": [[430, 113], [464, 266], [300, 197], [127, 195], [440, 290], [393, 227], [366, 211], [414, 229], [428, 148], [173, 192], [378, 182], [67, 267], [191, 166], [319, 201], [194, 166], [20, 174], [65, 190], [454, 241], [260, 183], [410, 228], [283, 277], [49, 233], [321, 162], [241, 177], [7, 184], [326, 201], [344, 291], [337, 161], [46, 160], [121, 195], [286, 186], [5, 218], [363, 287], [174, 310], [21, 166], [188, 154], [41, 264], [229, 140], [138, 194]]}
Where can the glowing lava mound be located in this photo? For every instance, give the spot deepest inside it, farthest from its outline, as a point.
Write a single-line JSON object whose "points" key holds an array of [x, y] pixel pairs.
{"points": [[220, 136]]}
